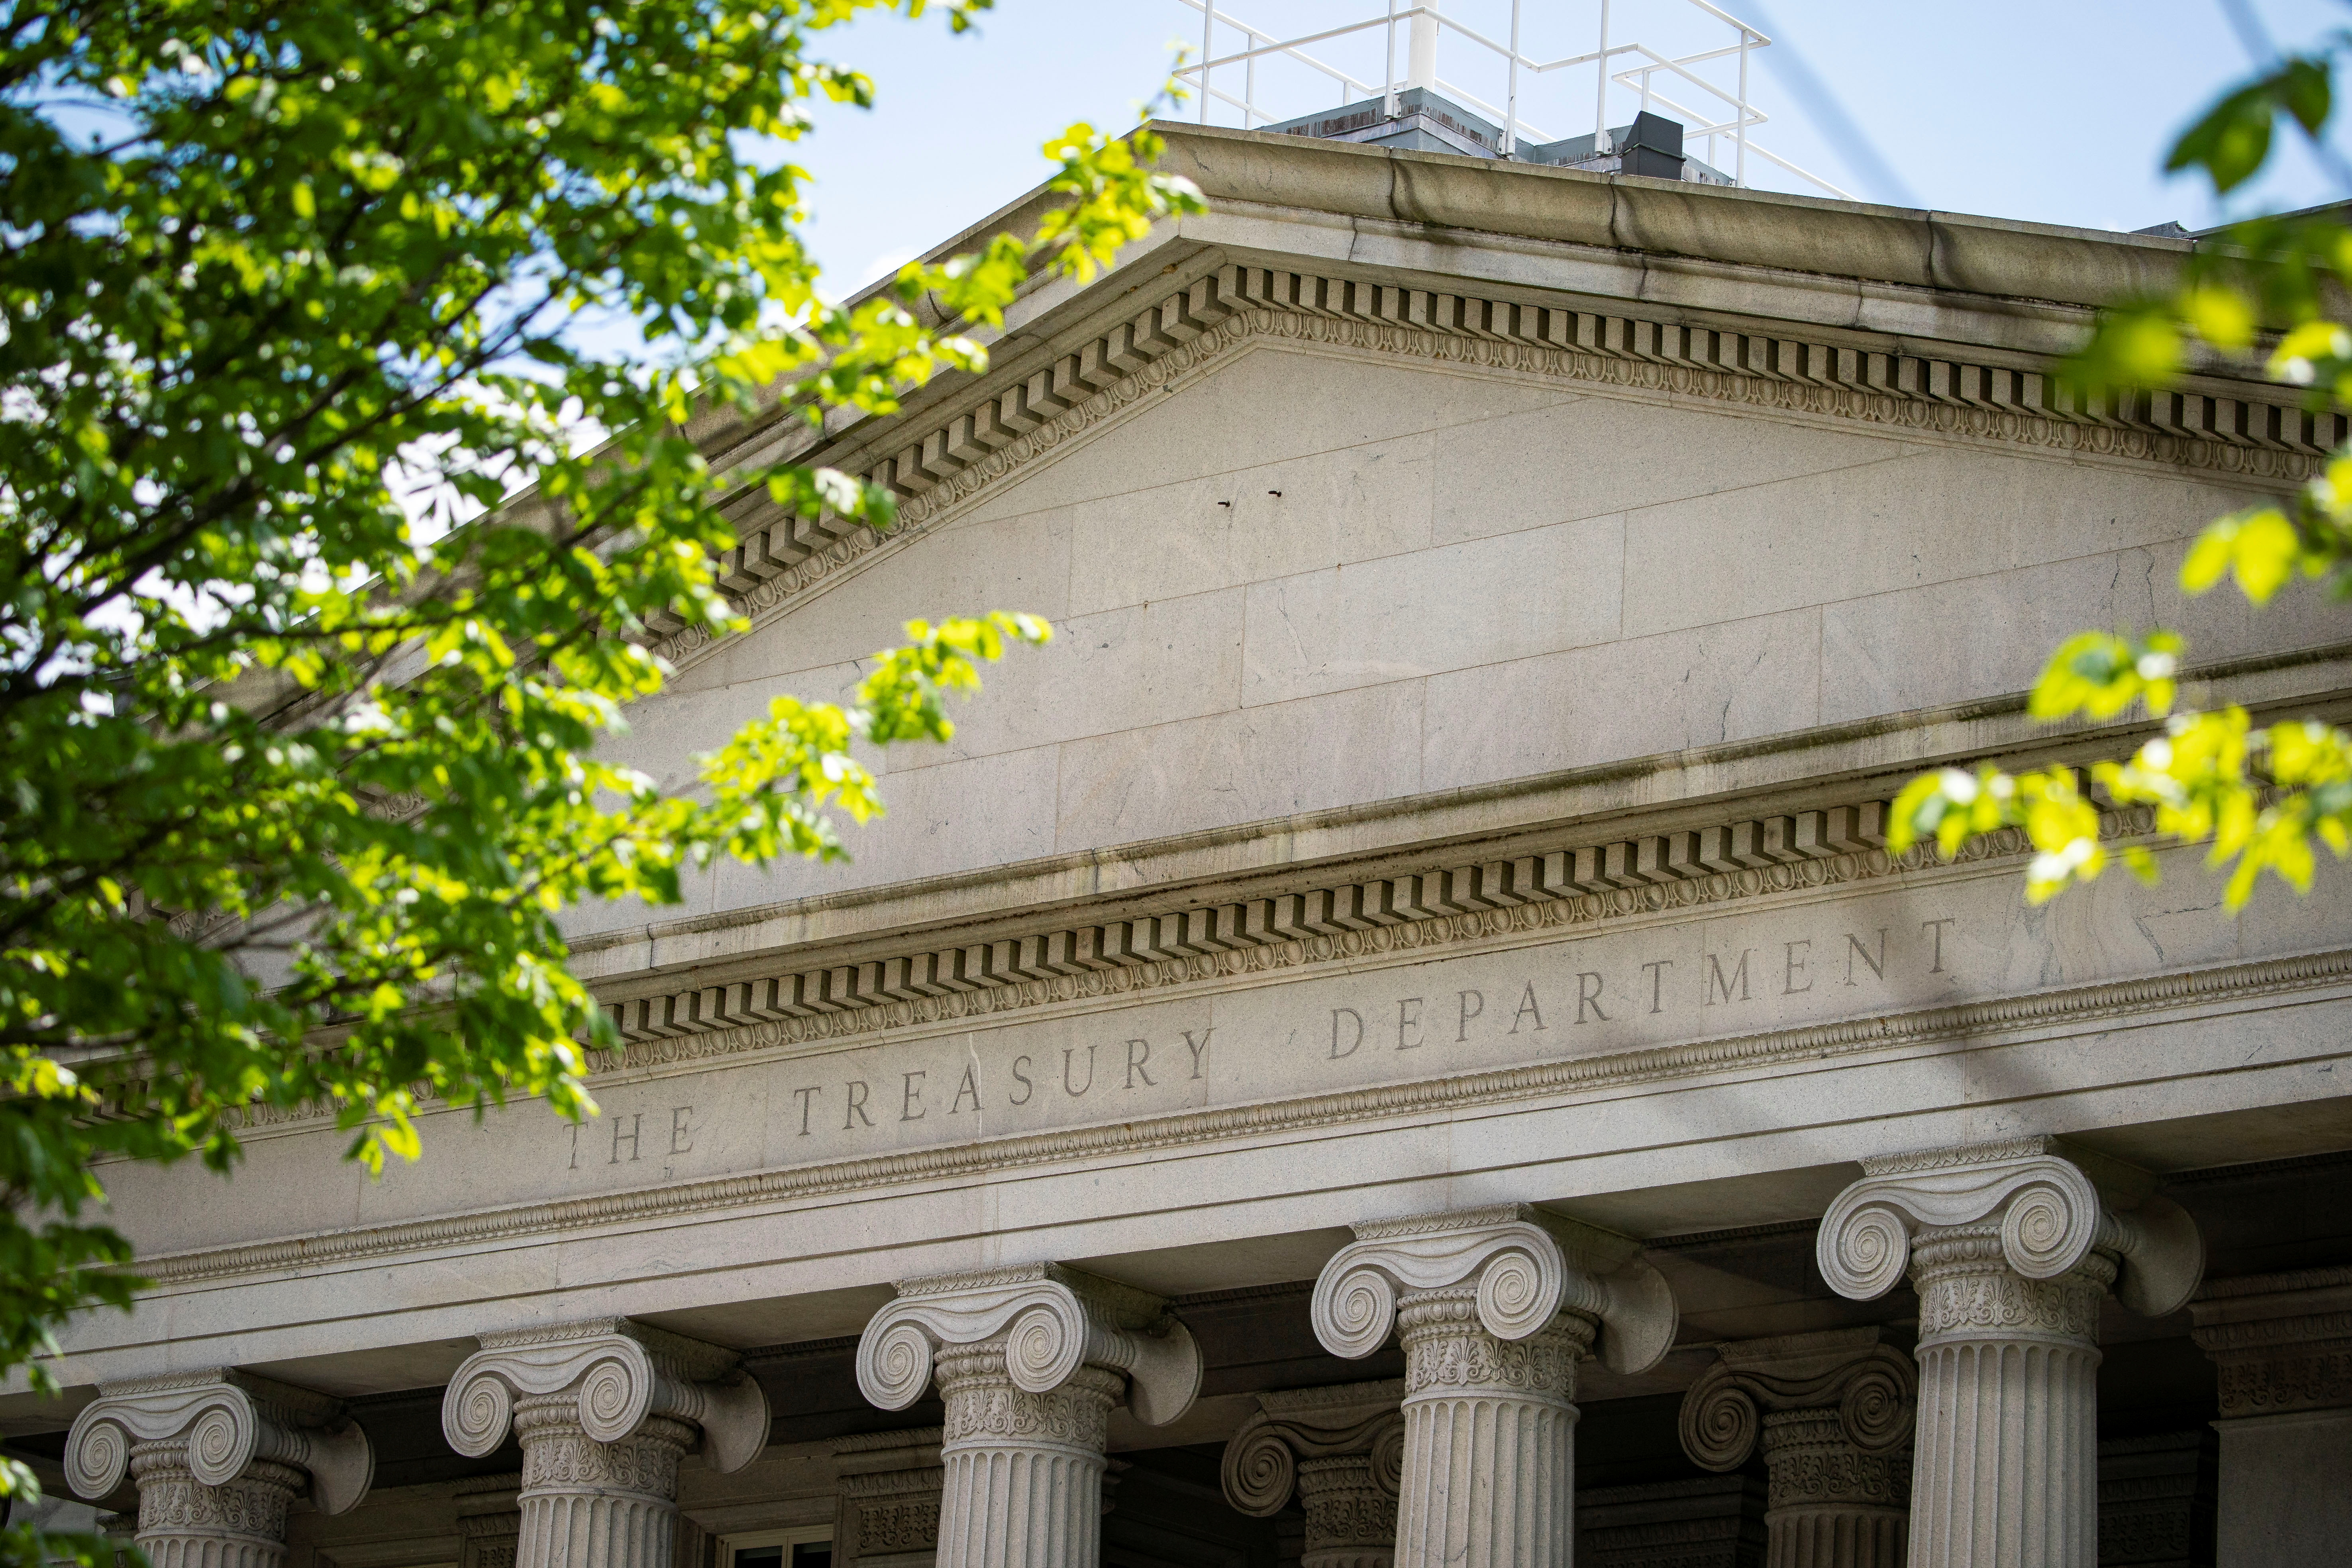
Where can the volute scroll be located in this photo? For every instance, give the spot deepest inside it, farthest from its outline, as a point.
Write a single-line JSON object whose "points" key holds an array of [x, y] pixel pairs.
{"points": [[1526, 1267], [229, 1420], [621, 1374], [1051, 1321], [2050, 1213]]}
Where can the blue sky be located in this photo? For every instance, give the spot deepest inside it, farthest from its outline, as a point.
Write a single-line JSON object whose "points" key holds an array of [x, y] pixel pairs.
{"points": [[2058, 110]]}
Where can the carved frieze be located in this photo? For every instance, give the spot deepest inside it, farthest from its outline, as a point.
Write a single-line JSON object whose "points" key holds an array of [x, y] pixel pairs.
{"points": [[2282, 1341]]}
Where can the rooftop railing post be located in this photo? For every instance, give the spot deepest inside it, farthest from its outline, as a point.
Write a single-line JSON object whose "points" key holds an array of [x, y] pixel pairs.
{"points": [[1740, 171], [1511, 103], [1208, 52], [1600, 88], [1388, 82]]}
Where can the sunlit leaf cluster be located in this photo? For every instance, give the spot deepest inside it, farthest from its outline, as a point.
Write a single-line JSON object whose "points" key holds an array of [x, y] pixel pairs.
{"points": [[298, 771], [2267, 294]]}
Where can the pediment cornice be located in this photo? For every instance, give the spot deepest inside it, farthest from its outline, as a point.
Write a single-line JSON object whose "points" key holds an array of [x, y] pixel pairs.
{"points": [[945, 459]]}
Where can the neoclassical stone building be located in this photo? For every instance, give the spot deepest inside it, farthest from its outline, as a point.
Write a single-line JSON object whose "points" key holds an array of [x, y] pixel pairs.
{"points": [[1397, 1040]]}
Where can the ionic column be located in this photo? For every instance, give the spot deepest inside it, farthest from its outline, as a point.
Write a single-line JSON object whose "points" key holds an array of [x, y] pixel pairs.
{"points": [[604, 1411], [2011, 1248], [1341, 1451], [1029, 1361], [1833, 1413], [2284, 1342], [887, 1498], [218, 1455], [1495, 1308]]}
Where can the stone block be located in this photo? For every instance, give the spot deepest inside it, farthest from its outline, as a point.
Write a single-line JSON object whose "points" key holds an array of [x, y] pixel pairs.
{"points": [[1263, 761], [1477, 603], [1246, 525], [1131, 669], [1931, 517], [1986, 636], [1732, 681], [1263, 405], [1602, 454]]}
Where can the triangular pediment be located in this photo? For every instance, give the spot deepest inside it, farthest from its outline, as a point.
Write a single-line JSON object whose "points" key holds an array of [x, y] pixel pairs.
{"points": [[1306, 577]]}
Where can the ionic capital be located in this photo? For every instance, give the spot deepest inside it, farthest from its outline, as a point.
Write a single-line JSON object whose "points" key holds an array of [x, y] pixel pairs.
{"points": [[1872, 1387], [1052, 1321], [230, 1421], [2282, 1341], [1355, 1420], [1527, 1268], [622, 1375], [2051, 1211]]}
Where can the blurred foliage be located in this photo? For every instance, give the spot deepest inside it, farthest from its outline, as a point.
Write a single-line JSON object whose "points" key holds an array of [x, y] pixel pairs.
{"points": [[292, 788], [2271, 292]]}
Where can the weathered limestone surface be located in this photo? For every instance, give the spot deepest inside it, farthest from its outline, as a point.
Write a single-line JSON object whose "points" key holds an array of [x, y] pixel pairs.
{"points": [[1832, 1412], [218, 1457], [604, 1410], [2011, 1248], [1030, 1362], [1495, 1307], [2284, 1342]]}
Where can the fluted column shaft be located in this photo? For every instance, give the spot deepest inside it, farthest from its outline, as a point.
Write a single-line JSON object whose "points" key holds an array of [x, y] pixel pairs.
{"points": [[604, 1410], [1832, 1505], [183, 1523], [2013, 1247], [1028, 1361], [1494, 1308], [587, 1504], [1489, 1472], [2007, 1468], [1024, 1471]]}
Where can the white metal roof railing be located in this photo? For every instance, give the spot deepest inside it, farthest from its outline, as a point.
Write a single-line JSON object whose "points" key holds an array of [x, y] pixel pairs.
{"points": [[1635, 67]]}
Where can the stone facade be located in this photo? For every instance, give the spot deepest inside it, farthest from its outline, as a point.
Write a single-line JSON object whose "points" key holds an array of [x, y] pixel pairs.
{"points": [[1399, 1039]]}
